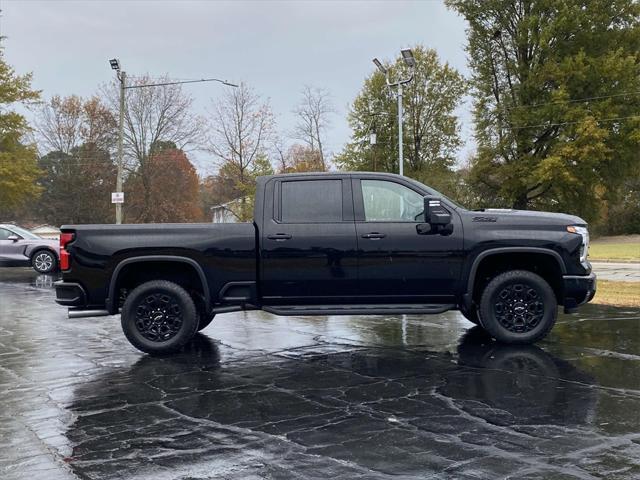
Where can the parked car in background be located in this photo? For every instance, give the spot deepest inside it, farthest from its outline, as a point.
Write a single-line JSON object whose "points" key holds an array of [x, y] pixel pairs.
{"points": [[21, 248]]}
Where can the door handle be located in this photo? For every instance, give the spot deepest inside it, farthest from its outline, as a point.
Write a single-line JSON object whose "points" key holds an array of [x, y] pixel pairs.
{"points": [[279, 236], [374, 235]]}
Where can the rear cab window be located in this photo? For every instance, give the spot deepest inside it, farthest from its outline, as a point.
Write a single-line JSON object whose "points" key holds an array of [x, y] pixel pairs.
{"points": [[312, 201]]}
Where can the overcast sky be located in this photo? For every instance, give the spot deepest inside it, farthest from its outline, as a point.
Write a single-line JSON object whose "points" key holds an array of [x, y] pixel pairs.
{"points": [[275, 46]]}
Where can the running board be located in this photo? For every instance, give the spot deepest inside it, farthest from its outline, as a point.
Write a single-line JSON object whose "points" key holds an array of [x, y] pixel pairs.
{"points": [[409, 309]]}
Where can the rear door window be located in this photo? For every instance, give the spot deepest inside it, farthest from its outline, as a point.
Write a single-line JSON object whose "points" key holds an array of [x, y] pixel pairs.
{"points": [[311, 201]]}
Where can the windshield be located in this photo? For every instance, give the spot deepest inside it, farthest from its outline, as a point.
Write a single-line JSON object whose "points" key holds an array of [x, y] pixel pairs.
{"points": [[24, 233]]}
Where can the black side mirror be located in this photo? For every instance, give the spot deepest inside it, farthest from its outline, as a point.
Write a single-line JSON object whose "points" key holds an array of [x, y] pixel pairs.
{"points": [[13, 238], [434, 213]]}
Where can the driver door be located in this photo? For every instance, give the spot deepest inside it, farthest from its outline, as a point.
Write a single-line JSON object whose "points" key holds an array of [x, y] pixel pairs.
{"points": [[396, 263]]}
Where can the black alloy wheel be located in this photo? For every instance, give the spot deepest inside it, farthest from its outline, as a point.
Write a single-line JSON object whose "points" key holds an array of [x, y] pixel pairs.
{"points": [[518, 306], [159, 317]]}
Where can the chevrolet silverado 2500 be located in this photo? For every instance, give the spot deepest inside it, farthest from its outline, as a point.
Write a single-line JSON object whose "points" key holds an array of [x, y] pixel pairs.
{"points": [[330, 244]]}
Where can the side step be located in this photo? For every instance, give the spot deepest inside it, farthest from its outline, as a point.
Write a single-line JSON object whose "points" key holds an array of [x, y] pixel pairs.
{"points": [[409, 309]]}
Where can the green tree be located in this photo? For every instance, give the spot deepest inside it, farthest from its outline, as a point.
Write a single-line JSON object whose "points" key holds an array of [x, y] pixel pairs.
{"points": [[431, 128], [76, 186], [556, 88], [18, 160]]}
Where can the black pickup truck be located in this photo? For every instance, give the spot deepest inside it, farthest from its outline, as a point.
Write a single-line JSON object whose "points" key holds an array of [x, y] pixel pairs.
{"points": [[328, 244]]}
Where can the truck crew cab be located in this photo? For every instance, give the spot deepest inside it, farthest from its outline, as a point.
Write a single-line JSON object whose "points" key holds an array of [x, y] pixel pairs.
{"points": [[330, 244]]}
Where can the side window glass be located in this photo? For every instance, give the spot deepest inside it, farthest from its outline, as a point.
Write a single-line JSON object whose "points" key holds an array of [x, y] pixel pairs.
{"points": [[391, 202], [311, 201], [4, 234]]}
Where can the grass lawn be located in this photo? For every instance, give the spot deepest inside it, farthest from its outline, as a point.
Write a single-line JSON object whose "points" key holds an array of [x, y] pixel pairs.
{"points": [[623, 294], [614, 251]]}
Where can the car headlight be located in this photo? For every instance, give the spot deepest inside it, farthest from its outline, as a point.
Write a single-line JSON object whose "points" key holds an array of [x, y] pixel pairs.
{"points": [[584, 233]]}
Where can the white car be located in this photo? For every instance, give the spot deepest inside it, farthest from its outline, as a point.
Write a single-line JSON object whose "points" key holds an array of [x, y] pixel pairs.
{"points": [[21, 248]]}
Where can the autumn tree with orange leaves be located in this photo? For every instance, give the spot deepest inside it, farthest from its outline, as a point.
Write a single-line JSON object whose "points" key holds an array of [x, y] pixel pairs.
{"points": [[168, 192]]}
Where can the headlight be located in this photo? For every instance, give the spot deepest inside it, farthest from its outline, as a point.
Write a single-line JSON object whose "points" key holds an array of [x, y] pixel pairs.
{"points": [[584, 233]]}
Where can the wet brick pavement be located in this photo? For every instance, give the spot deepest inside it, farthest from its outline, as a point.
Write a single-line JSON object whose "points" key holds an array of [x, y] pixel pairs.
{"points": [[258, 396]]}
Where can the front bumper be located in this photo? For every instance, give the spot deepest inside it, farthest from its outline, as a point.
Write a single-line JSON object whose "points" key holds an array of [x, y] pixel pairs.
{"points": [[70, 294], [578, 289]]}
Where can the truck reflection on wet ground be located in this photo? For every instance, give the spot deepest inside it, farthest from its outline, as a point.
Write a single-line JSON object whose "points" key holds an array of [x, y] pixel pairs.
{"points": [[258, 396]]}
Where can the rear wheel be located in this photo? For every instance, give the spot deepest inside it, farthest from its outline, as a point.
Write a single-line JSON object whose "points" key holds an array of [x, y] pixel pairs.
{"points": [[518, 307], [159, 317], [44, 261]]}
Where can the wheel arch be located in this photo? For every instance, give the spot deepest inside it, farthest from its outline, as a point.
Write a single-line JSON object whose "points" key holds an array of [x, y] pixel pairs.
{"points": [[40, 248], [112, 299], [553, 258]]}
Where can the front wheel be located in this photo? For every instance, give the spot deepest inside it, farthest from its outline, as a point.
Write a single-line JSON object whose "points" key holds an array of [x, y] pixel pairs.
{"points": [[159, 317], [518, 307]]}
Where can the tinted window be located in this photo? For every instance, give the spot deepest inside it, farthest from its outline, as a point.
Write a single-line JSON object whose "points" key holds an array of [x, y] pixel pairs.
{"points": [[391, 202], [25, 233], [4, 234], [311, 201]]}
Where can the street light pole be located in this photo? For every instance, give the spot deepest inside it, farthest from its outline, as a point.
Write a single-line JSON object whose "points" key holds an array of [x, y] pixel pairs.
{"points": [[123, 80], [407, 55], [122, 77]]}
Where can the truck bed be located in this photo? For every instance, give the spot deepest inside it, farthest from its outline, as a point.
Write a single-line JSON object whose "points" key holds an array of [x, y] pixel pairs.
{"points": [[226, 252]]}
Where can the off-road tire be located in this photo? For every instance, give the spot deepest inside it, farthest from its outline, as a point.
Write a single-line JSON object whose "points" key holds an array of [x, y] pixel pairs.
{"points": [[518, 307], [159, 317]]}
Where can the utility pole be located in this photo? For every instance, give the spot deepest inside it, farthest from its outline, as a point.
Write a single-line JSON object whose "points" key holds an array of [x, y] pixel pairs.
{"points": [[407, 55], [122, 78]]}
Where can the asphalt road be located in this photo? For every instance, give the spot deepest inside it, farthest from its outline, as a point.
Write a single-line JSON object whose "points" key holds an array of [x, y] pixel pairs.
{"points": [[619, 272], [258, 396]]}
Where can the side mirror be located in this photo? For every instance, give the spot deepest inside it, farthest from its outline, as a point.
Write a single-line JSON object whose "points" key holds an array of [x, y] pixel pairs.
{"points": [[13, 238], [434, 213]]}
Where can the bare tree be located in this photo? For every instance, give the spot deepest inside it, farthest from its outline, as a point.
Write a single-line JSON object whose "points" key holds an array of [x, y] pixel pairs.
{"points": [[241, 127], [63, 124], [155, 118], [154, 115], [313, 118], [280, 153]]}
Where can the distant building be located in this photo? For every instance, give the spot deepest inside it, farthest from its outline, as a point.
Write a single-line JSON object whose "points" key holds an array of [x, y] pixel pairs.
{"points": [[224, 213], [47, 231]]}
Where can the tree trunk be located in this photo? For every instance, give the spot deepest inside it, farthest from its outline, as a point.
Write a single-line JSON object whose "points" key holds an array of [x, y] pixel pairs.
{"points": [[521, 202]]}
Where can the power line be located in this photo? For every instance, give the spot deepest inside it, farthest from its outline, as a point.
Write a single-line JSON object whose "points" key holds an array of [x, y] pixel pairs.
{"points": [[575, 100], [572, 123], [224, 82]]}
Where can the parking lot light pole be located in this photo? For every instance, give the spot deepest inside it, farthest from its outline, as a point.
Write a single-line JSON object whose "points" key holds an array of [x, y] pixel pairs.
{"points": [[122, 77], [410, 61]]}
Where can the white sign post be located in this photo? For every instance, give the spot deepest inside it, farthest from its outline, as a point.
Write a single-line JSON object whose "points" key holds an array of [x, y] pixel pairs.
{"points": [[117, 197]]}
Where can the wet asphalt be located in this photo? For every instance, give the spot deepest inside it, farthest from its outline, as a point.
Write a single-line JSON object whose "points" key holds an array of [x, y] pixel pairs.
{"points": [[259, 396]]}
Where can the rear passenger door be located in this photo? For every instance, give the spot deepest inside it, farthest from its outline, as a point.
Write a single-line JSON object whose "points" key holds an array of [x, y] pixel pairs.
{"points": [[308, 242]]}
